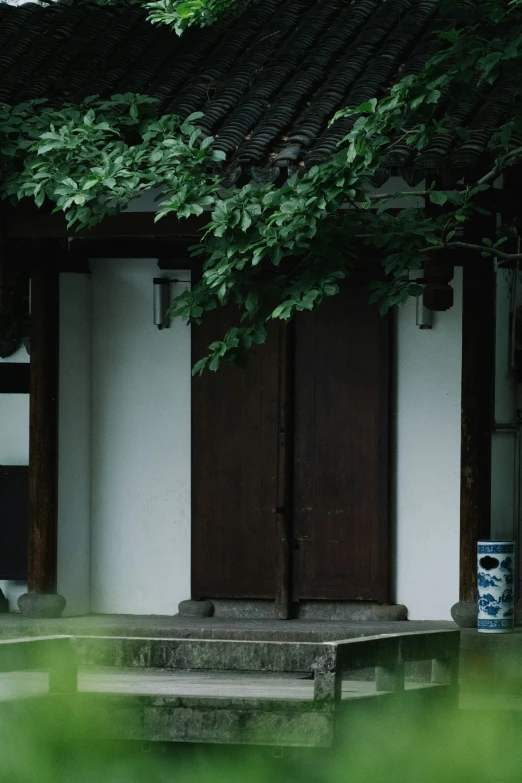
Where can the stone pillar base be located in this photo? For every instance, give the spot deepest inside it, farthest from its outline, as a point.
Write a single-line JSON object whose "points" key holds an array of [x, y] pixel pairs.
{"points": [[192, 608], [4, 603], [41, 605], [465, 614]]}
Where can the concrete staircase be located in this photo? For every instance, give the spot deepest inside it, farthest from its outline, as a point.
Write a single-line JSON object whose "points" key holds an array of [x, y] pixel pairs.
{"points": [[287, 693]]}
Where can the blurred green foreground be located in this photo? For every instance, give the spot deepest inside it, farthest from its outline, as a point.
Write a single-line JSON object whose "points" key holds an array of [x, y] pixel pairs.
{"points": [[51, 740]]}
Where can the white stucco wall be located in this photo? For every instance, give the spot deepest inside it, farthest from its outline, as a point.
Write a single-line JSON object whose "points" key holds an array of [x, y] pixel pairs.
{"points": [[426, 487], [74, 443], [14, 449], [140, 538]]}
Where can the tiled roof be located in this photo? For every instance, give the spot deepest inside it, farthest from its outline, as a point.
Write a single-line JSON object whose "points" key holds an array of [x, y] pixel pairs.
{"points": [[267, 82]]}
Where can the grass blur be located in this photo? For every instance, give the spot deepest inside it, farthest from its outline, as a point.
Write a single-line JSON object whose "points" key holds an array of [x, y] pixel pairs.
{"points": [[57, 741]]}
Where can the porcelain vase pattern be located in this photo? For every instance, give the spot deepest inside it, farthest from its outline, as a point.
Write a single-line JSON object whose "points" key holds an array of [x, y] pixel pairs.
{"points": [[496, 580]]}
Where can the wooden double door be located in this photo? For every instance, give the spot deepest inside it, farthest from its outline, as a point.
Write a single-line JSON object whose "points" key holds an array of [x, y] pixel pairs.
{"points": [[290, 460]]}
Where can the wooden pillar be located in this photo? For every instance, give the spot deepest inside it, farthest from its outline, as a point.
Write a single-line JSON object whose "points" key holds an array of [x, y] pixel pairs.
{"points": [[43, 430], [4, 603], [478, 378], [283, 588], [3, 268], [41, 599]]}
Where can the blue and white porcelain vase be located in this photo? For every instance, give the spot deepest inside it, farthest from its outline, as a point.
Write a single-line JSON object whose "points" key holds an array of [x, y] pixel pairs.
{"points": [[496, 580]]}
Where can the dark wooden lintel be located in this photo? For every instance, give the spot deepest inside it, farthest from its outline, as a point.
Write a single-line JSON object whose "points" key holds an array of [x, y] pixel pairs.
{"points": [[33, 224], [171, 251]]}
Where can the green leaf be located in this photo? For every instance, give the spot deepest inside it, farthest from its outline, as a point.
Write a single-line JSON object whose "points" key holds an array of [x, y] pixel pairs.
{"points": [[47, 148], [194, 136], [197, 115], [252, 300], [438, 197], [70, 183], [368, 106], [489, 61], [433, 96], [246, 221], [200, 366]]}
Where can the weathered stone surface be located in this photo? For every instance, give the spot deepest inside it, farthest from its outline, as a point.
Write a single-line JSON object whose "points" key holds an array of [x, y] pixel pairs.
{"points": [[169, 627], [334, 611], [465, 614], [389, 678], [225, 721], [41, 605], [327, 686], [192, 654], [244, 610], [192, 608], [352, 611]]}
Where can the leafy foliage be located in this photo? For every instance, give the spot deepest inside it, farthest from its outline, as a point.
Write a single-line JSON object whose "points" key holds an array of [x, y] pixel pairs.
{"points": [[91, 160], [178, 14], [181, 14]]}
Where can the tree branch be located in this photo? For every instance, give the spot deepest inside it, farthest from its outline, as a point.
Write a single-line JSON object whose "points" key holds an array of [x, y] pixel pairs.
{"points": [[491, 175], [491, 251], [495, 172], [403, 194]]}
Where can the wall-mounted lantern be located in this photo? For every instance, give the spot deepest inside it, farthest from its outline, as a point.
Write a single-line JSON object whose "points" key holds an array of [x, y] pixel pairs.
{"points": [[161, 287], [424, 316]]}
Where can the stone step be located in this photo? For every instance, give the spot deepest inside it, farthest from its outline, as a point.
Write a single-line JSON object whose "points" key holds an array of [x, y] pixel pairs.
{"points": [[201, 654], [222, 655], [152, 626]]}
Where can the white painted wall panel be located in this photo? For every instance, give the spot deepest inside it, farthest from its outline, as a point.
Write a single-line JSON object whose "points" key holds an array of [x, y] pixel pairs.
{"points": [[427, 461], [74, 443], [14, 429], [140, 446]]}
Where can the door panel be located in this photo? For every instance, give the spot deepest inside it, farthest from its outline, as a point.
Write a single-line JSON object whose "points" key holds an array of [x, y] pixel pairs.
{"points": [[340, 498], [328, 457], [235, 423]]}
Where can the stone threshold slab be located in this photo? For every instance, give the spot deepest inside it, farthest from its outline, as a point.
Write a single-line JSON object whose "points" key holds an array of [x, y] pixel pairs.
{"points": [[161, 626]]}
